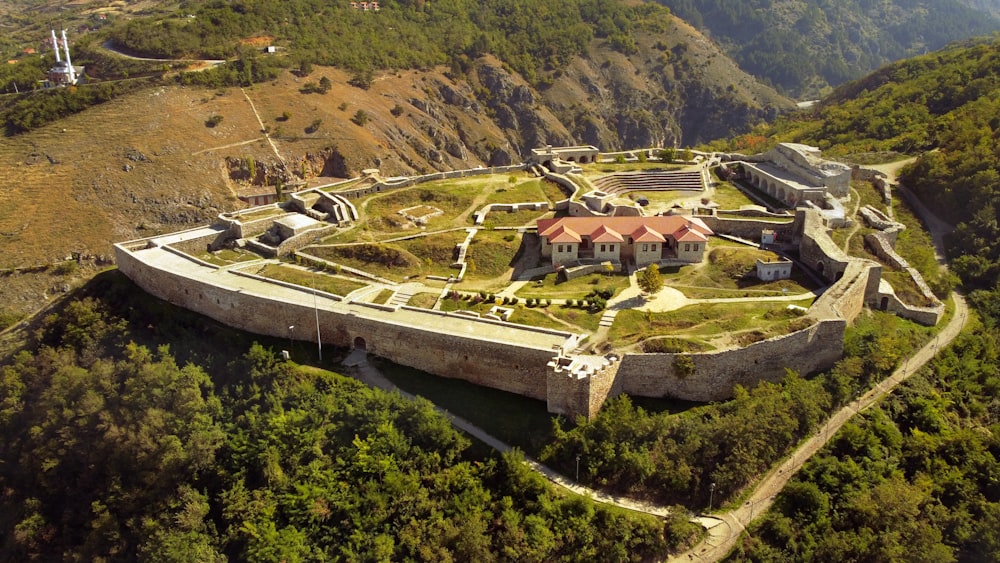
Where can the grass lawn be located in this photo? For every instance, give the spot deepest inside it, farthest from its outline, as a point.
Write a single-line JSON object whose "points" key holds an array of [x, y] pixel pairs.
{"points": [[515, 218], [729, 271], [658, 199], [453, 197], [516, 420], [260, 214], [578, 288], [553, 191], [423, 300], [383, 296], [228, 256], [323, 282], [422, 256], [526, 189], [530, 316], [491, 254], [705, 321], [729, 196], [579, 317]]}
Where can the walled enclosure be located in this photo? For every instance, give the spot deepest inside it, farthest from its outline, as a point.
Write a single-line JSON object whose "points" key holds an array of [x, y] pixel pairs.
{"points": [[503, 356], [500, 355]]}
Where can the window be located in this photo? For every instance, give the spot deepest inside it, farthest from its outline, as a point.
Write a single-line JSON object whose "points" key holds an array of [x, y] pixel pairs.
{"points": [[604, 248], [645, 248], [559, 248], [653, 247], [687, 247]]}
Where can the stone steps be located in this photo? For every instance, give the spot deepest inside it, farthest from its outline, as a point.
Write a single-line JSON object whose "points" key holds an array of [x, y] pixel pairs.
{"points": [[608, 318], [401, 297]]}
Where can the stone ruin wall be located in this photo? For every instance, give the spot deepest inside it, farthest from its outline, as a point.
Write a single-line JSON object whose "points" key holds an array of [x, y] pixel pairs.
{"points": [[717, 373], [749, 229], [490, 364]]}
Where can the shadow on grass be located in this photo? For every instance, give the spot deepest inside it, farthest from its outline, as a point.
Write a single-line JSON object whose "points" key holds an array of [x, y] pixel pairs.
{"points": [[516, 420]]}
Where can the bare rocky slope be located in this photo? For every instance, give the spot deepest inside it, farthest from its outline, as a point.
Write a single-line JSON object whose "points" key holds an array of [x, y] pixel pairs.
{"points": [[148, 162]]}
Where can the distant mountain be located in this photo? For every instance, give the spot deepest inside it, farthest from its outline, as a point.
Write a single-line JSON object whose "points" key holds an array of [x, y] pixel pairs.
{"points": [[988, 6], [804, 47]]}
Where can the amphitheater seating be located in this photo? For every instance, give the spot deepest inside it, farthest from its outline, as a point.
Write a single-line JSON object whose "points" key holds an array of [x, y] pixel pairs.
{"points": [[621, 183]]}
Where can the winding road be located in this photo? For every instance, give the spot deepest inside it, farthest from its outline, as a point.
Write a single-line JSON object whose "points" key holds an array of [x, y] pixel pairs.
{"points": [[725, 528]]}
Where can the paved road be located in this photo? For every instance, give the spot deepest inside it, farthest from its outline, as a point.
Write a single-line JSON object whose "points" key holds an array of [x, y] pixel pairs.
{"points": [[722, 538]]}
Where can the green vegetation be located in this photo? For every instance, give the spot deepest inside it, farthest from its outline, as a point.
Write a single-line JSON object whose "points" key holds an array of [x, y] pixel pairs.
{"points": [[494, 253], [429, 255], [730, 271], [915, 472], [649, 279], [120, 453], [818, 44], [706, 322], [529, 36], [383, 296], [550, 287], [673, 457], [308, 279], [453, 198]]}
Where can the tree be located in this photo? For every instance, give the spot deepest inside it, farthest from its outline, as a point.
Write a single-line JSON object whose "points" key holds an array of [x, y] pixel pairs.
{"points": [[650, 280], [324, 85], [360, 118]]}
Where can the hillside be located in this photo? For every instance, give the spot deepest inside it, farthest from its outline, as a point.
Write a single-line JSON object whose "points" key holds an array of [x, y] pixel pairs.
{"points": [[805, 47], [914, 477], [147, 161]]}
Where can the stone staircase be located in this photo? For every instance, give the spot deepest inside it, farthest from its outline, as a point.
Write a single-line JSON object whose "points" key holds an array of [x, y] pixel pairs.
{"points": [[401, 297], [608, 318]]}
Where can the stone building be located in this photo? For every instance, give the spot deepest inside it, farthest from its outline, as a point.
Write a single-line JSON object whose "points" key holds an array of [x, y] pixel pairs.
{"points": [[768, 270], [644, 240], [795, 173]]}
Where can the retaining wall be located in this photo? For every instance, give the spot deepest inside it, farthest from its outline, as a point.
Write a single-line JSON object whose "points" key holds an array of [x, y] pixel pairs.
{"points": [[717, 373]]}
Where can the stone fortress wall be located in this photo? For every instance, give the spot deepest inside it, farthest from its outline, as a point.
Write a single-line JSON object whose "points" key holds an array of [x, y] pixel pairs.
{"points": [[410, 336], [503, 365]]}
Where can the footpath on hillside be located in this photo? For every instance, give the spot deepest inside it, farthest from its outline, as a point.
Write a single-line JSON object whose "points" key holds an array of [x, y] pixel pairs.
{"points": [[371, 376]]}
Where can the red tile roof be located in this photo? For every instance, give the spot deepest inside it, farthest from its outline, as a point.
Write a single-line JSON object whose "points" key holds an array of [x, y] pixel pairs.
{"points": [[643, 229], [604, 234], [563, 234]]}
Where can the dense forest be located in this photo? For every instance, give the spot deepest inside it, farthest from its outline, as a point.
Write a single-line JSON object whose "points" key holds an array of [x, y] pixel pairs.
{"points": [[803, 48], [917, 477], [529, 36], [114, 450]]}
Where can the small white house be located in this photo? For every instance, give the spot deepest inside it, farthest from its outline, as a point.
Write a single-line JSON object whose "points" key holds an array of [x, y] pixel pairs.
{"points": [[771, 270]]}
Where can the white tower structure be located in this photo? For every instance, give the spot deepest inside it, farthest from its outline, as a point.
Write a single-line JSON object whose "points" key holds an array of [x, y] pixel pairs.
{"points": [[55, 45], [69, 63]]}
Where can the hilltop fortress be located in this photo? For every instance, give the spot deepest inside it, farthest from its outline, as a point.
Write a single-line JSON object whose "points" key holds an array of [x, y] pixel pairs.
{"points": [[541, 363]]}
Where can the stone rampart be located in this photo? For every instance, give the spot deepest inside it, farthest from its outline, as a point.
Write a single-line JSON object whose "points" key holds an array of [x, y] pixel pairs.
{"points": [[501, 365], [750, 229], [717, 373]]}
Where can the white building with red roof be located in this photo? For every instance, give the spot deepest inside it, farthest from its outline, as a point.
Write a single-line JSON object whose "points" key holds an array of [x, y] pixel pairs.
{"points": [[644, 240]]}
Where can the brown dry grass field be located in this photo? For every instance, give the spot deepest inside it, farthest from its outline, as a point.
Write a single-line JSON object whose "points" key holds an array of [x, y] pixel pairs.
{"points": [[147, 163]]}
